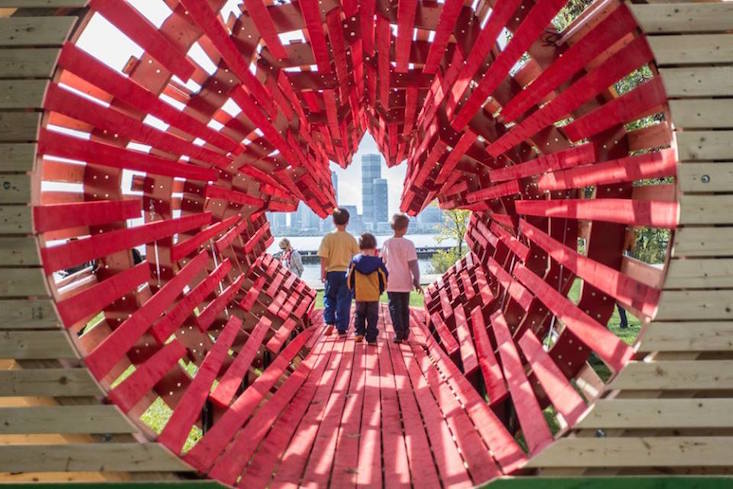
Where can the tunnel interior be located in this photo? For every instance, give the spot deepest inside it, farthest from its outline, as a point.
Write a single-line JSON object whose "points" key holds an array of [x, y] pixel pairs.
{"points": [[547, 120]]}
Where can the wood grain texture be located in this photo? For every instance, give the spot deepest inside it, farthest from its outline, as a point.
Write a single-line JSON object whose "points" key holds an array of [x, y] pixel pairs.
{"points": [[48, 382], [22, 282], [15, 219], [676, 375], [64, 419], [705, 145], [35, 31], [28, 314], [660, 413], [684, 17], [703, 241], [694, 49], [19, 251], [699, 274], [688, 336]]}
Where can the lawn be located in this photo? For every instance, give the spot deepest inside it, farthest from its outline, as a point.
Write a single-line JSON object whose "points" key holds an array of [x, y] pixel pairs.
{"points": [[416, 300]]}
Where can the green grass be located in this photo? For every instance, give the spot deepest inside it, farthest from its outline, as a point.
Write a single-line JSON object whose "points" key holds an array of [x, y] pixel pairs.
{"points": [[416, 300]]}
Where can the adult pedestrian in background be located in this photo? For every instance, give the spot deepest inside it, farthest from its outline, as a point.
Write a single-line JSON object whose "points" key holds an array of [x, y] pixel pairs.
{"points": [[291, 258]]}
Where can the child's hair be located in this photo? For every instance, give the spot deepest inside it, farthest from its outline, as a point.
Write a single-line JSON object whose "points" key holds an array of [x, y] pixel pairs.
{"points": [[284, 243], [399, 221], [367, 241], [340, 216]]}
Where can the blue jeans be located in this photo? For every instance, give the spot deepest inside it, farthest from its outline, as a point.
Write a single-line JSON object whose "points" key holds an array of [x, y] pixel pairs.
{"points": [[337, 301], [367, 312], [399, 310]]}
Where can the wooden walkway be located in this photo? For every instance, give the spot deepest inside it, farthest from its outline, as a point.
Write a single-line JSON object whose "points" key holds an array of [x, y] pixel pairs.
{"points": [[390, 415]]}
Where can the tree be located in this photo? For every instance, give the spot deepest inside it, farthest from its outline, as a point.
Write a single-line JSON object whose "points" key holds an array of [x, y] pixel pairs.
{"points": [[453, 227]]}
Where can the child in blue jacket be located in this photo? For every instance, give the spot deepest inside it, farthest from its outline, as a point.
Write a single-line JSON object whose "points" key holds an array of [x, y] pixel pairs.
{"points": [[367, 279]]}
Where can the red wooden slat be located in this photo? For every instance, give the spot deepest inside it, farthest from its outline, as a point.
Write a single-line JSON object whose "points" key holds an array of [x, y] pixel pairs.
{"points": [[649, 165], [208, 315], [446, 24], [514, 288], [90, 301], [383, 34], [406, 10], [230, 381], [490, 369], [468, 353], [184, 415], [563, 395], [622, 211], [494, 192], [366, 23], [185, 248], [534, 428], [57, 144], [146, 35], [454, 157], [112, 348], [53, 217], [168, 324], [511, 242], [446, 337], [549, 162], [216, 192], [528, 31], [281, 336], [262, 19], [614, 352], [314, 24], [129, 392], [103, 244], [338, 46]]}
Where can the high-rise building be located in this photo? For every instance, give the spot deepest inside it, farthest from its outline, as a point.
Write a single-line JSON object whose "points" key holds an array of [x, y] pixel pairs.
{"points": [[371, 170], [335, 183], [278, 221], [381, 201]]}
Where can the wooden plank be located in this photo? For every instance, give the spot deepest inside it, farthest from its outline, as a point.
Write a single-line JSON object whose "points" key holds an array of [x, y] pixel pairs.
{"points": [[674, 451], [702, 113], [49, 382], [705, 145], [22, 94], [19, 157], [28, 63], [697, 82], [684, 305], [38, 345], [15, 219], [676, 375], [15, 189], [35, 31], [28, 314], [684, 17], [43, 3], [702, 241], [91, 457], [699, 274], [468, 352], [685, 336], [22, 282], [19, 252], [706, 177], [697, 49], [64, 419], [659, 413], [490, 368]]}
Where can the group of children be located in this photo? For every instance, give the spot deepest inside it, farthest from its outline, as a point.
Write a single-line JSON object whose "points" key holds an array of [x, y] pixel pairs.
{"points": [[350, 269]]}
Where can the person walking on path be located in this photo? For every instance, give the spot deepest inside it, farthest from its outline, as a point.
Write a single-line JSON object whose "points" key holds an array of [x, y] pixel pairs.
{"points": [[400, 257], [367, 278], [290, 257], [336, 251]]}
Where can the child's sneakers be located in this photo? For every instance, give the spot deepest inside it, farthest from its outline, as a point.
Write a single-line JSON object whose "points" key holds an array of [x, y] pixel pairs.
{"points": [[372, 343], [397, 339], [359, 338]]}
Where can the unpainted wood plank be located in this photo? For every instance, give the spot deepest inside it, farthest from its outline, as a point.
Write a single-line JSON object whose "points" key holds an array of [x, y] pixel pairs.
{"points": [[22, 282], [15, 189], [123, 457], [705, 145], [674, 451], [699, 274], [695, 304], [22, 94], [676, 375], [36, 345], [15, 219], [35, 31], [27, 62], [692, 49], [703, 241], [688, 336], [19, 251], [683, 17], [64, 419], [27, 314], [699, 81], [19, 126], [706, 209], [48, 382], [706, 177], [702, 113], [659, 413], [43, 3], [18, 157]]}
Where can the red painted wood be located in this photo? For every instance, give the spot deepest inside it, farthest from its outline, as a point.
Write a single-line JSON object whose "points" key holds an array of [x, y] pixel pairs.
{"points": [[265, 26], [230, 381], [614, 352], [146, 35], [383, 38], [314, 24], [518, 292], [490, 369], [183, 249], [146, 375], [103, 244], [649, 165], [468, 353], [208, 315], [184, 415], [168, 324], [549, 162], [406, 10], [563, 395], [534, 428], [114, 347], [90, 301], [446, 24], [511, 242], [621, 211], [216, 192], [53, 217], [281, 336], [454, 157], [494, 192]]}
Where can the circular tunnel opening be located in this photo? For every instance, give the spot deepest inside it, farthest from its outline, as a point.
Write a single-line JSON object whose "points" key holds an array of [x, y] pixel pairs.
{"points": [[170, 128]]}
